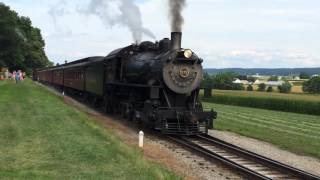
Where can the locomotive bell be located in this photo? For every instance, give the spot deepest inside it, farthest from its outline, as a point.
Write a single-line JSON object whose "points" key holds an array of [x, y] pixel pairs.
{"points": [[176, 38]]}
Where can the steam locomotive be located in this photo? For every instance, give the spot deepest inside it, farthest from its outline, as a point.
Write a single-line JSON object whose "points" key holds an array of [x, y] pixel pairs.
{"points": [[156, 84]]}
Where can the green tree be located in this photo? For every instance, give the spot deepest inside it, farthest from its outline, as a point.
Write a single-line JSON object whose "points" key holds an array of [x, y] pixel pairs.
{"points": [[207, 82], [21, 44], [250, 88], [312, 85], [262, 87], [269, 89], [225, 81], [285, 87], [242, 77], [252, 79], [304, 75], [273, 78]]}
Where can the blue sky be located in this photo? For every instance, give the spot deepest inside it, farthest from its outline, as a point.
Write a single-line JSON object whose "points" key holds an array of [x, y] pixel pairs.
{"points": [[226, 33]]}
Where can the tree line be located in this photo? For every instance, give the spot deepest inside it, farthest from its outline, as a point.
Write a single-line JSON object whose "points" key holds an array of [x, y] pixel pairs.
{"points": [[224, 81], [21, 44]]}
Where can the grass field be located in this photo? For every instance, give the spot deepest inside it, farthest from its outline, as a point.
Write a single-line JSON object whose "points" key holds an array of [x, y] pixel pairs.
{"points": [[298, 133], [42, 138]]}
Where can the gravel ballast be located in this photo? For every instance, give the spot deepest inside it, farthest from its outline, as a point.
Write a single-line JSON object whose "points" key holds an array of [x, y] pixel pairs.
{"points": [[305, 163]]}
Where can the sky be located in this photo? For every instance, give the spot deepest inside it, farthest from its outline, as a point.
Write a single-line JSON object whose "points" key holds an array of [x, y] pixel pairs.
{"points": [[225, 33]]}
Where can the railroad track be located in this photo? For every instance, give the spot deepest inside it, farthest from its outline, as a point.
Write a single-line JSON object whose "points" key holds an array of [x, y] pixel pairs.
{"points": [[251, 164]]}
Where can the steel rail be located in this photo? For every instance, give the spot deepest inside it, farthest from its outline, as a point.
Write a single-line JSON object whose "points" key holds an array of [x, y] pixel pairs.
{"points": [[275, 166], [212, 155], [260, 159]]}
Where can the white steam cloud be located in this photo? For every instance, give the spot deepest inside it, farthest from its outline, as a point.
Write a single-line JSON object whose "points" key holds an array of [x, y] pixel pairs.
{"points": [[119, 12], [57, 10]]}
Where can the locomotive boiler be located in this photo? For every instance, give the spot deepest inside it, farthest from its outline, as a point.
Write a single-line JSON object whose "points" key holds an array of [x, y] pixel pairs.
{"points": [[156, 84]]}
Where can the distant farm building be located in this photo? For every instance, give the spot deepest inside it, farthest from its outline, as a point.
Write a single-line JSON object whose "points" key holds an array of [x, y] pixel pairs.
{"points": [[274, 83], [238, 81], [256, 76], [257, 82]]}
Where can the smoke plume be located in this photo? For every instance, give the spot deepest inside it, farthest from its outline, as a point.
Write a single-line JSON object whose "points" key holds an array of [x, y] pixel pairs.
{"points": [[119, 12], [175, 14], [57, 10]]}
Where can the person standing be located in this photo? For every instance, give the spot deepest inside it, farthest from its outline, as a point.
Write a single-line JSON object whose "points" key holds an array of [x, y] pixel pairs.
{"points": [[14, 75], [17, 77], [21, 75]]}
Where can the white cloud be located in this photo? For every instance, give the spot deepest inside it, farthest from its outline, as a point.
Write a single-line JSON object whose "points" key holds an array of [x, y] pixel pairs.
{"points": [[226, 33], [260, 59]]}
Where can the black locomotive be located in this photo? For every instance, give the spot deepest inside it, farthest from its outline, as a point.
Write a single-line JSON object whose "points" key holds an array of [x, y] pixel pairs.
{"points": [[153, 83]]}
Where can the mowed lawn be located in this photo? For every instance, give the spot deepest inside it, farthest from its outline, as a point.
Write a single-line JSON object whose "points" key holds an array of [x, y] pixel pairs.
{"points": [[42, 138], [298, 133]]}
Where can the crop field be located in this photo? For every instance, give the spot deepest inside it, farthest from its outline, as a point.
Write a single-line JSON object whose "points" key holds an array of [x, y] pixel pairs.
{"points": [[42, 138], [297, 89], [305, 97], [298, 103], [298, 133]]}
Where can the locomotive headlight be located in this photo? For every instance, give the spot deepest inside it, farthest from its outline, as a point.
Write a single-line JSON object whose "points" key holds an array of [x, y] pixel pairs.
{"points": [[187, 53]]}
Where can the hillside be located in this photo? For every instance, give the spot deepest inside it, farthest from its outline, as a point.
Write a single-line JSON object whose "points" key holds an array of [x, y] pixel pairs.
{"points": [[265, 71]]}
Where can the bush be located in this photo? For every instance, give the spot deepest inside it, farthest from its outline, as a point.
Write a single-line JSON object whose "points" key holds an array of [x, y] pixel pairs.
{"points": [[312, 86], [250, 88], [262, 87], [269, 89], [285, 87]]}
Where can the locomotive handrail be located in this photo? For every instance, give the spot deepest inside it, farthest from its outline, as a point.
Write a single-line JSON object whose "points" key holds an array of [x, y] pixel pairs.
{"points": [[133, 85]]}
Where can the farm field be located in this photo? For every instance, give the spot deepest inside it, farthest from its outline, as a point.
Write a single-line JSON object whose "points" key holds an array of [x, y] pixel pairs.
{"points": [[42, 138], [296, 89], [297, 103], [304, 97], [298, 133]]}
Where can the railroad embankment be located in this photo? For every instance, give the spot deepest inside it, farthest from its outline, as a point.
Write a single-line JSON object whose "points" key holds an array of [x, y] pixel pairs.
{"points": [[43, 138]]}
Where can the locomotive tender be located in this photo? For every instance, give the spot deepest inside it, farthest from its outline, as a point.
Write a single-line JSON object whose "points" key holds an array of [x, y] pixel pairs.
{"points": [[156, 84]]}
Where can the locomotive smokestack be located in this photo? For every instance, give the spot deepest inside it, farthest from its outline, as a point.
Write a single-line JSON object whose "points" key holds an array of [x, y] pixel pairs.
{"points": [[176, 38]]}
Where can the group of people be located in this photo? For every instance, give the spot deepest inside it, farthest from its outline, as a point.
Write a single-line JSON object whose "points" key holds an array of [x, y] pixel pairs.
{"points": [[17, 75]]}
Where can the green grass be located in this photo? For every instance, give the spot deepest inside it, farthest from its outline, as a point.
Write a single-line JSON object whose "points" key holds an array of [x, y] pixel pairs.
{"points": [[42, 138], [298, 133], [305, 104]]}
